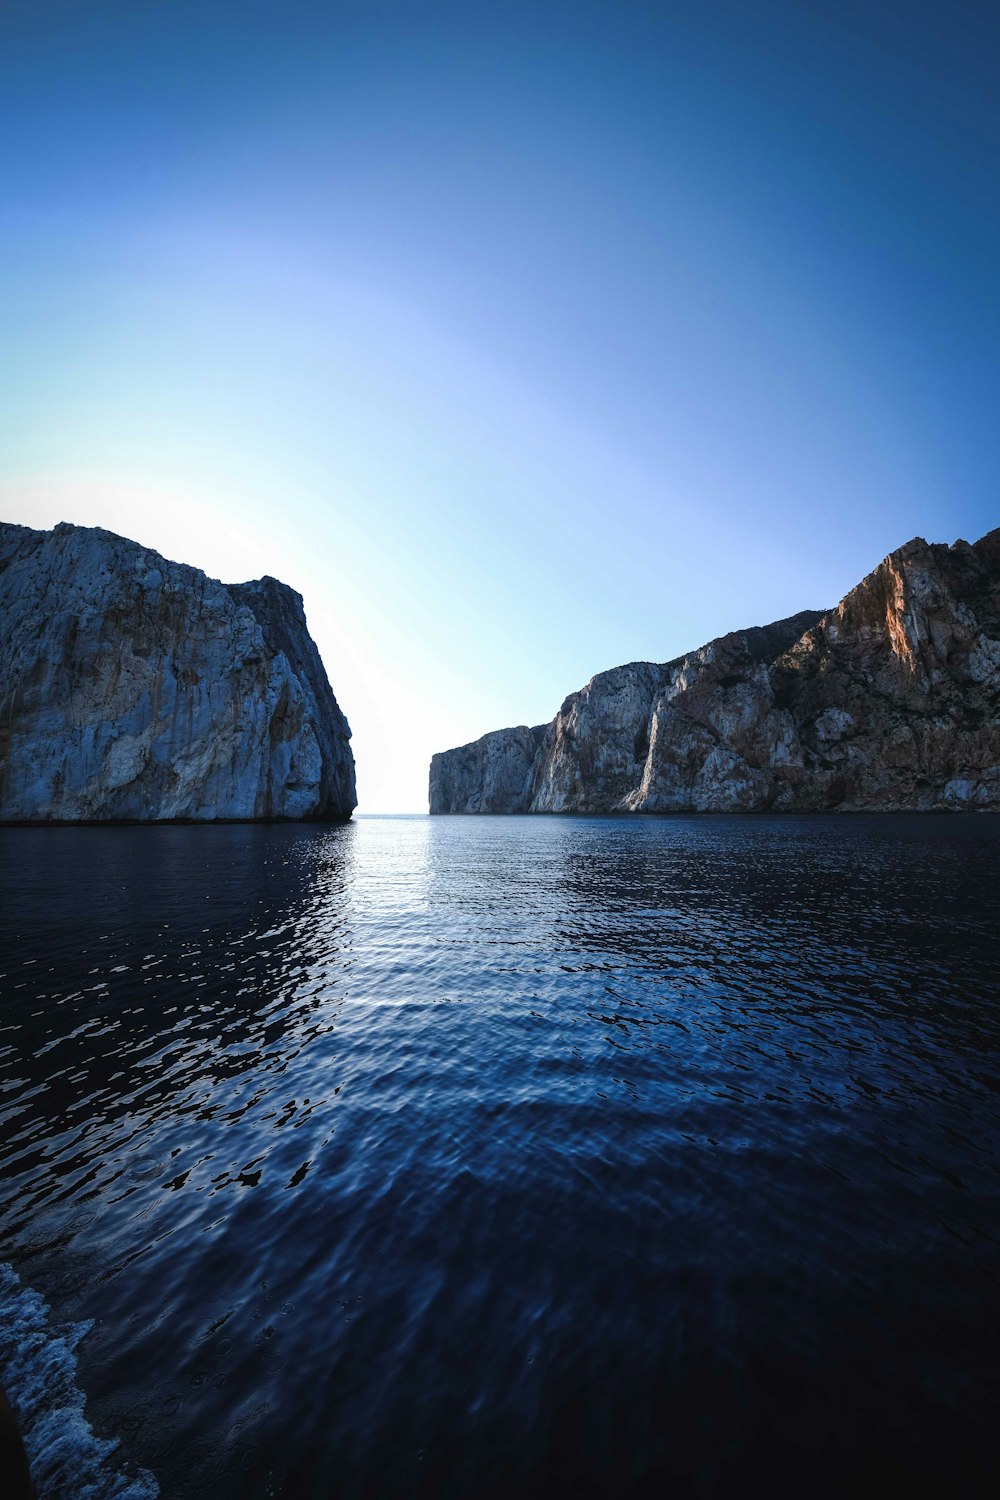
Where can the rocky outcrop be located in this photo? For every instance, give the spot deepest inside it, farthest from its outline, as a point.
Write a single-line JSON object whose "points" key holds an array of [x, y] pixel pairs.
{"points": [[133, 688], [492, 775], [890, 701]]}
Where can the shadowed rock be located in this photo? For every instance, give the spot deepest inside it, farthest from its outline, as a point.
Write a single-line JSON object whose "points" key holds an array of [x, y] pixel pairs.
{"points": [[134, 688]]}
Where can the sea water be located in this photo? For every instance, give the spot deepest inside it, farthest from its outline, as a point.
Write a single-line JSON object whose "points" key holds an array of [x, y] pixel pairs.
{"points": [[512, 1156]]}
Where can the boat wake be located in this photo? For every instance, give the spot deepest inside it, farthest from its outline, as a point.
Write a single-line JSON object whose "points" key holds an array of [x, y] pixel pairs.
{"points": [[38, 1370]]}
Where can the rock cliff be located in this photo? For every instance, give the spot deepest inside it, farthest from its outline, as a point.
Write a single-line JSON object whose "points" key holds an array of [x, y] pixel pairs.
{"points": [[135, 688], [889, 701]]}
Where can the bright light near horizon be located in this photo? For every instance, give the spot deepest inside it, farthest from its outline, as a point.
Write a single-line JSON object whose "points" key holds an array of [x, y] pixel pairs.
{"points": [[520, 351]]}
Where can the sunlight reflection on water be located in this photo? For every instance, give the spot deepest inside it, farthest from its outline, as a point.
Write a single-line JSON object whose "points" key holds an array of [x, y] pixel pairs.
{"points": [[467, 1156]]}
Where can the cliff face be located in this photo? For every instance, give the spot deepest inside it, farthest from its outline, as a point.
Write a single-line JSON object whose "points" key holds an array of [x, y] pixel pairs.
{"points": [[493, 775], [136, 688], [890, 701]]}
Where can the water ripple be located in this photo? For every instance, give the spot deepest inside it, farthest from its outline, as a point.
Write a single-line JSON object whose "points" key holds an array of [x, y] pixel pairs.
{"points": [[494, 1156]]}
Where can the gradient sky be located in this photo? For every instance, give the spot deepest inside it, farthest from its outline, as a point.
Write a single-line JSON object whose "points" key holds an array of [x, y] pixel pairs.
{"points": [[524, 340]]}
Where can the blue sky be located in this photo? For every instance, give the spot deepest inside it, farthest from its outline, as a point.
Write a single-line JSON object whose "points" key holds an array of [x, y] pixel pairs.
{"points": [[523, 339]]}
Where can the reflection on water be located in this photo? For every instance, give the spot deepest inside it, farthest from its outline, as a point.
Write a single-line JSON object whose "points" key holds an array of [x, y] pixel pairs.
{"points": [[495, 1156]]}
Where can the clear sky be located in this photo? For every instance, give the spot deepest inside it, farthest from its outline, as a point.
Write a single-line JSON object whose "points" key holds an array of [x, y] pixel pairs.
{"points": [[524, 340]]}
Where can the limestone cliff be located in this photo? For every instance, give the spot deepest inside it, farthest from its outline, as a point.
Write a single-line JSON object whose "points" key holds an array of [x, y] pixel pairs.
{"points": [[890, 701], [135, 688], [492, 775]]}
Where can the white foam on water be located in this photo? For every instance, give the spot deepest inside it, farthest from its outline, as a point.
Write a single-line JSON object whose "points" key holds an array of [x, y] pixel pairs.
{"points": [[38, 1372]]}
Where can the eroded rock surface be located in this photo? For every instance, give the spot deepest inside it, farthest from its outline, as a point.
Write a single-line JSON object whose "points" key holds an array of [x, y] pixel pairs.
{"points": [[492, 775], [890, 701], [136, 688]]}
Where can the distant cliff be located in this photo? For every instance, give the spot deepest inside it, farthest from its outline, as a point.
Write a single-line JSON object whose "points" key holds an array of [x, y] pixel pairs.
{"points": [[889, 701], [136, 688]]}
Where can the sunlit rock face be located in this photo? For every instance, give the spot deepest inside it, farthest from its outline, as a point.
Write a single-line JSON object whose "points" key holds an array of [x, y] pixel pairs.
{"points": [[890, 701], [136, 688]]}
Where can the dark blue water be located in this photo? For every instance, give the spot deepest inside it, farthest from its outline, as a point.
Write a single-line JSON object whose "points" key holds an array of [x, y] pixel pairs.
{"points": [[476, 1157]]}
